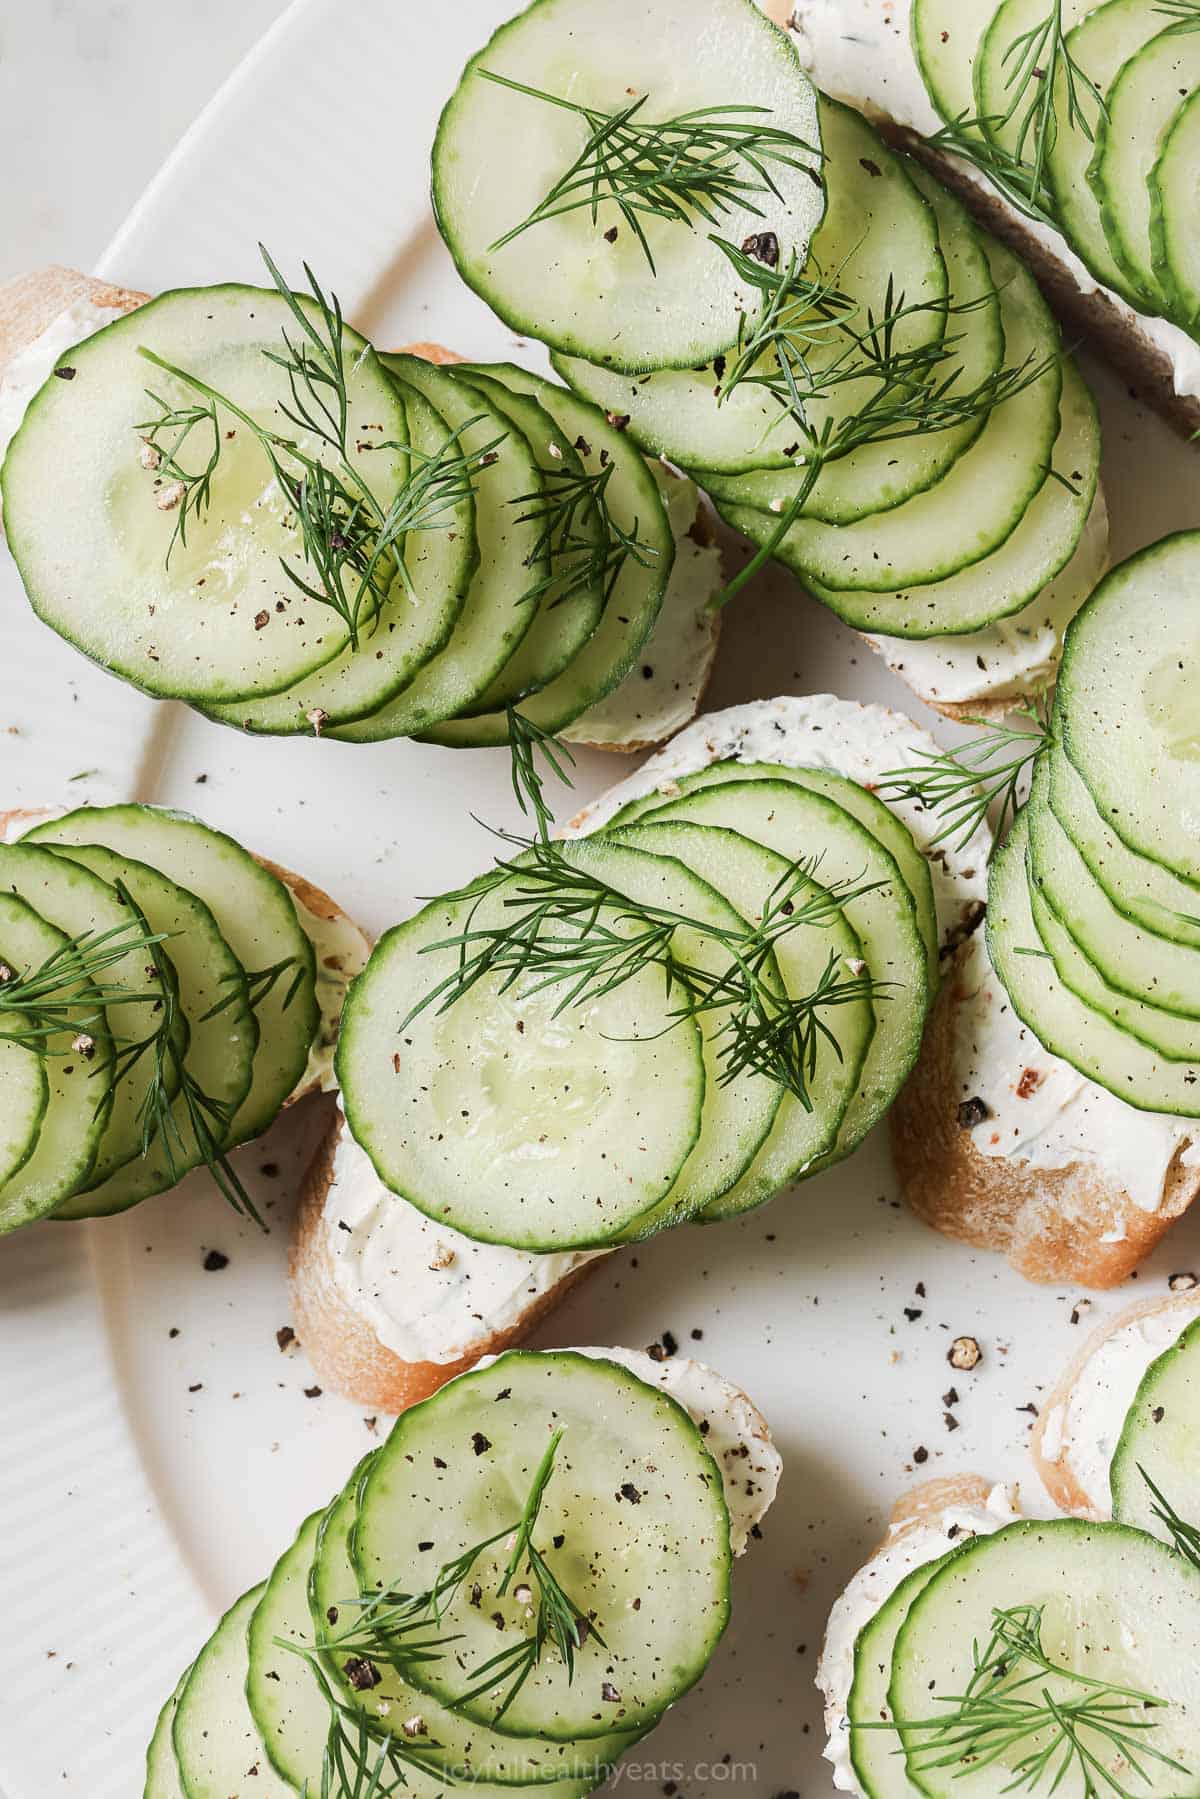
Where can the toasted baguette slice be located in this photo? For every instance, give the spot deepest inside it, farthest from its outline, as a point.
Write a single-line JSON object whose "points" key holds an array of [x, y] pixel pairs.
{"points": [[31, 303], [339, 969], [1076, 1433]]}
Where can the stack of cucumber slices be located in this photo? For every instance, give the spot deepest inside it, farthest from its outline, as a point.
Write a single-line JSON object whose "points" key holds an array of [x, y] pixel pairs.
{"points": [[714, 997], [1094, 900], [158, 1006], [510, 1592], [1119, 166]]}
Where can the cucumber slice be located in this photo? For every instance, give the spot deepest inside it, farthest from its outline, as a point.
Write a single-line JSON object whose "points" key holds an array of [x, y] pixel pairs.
{"points": [[97, 571], [1066, 1027], [24, 1096], [399, 648], [870, 811], [214, 1735], [561, 626], [1143, 891], [633, 607], [162, 1770], [876, 227], [78, 1096], [1142, 103], [794, 823], [1023, 566], [1126, 698], [1162, 1437], [469, 1751], [499, 153], [879, 1770], [439, 1479], [220, 1049], [1175, 243], [255, 914], [882, 475], [979, 501], [946, 35], [1118, 1607]]}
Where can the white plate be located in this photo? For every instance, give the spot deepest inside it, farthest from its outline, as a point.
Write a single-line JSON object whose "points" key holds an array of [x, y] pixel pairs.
{"points": [[157, 1449]]}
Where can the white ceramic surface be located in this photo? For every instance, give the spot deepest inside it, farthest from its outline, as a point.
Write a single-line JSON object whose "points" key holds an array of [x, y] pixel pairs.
{"points": [[157, 1449]]}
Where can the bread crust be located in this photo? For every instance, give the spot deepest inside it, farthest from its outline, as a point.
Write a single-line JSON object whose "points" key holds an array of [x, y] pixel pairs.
{"points": [[1049, 1222], [342, 1347], [32, 302], [1059, 1477]]}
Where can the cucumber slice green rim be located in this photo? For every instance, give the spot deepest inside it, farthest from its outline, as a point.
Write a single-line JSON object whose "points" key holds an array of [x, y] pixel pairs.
{"points": [[866, 807], [255, 914], [468, 1750], [440, 1478], [162, 1770], [1060, 1021], [1162, 1437], [1126, 699], [78, 1091], [513, 1120], [879, 1770], [213, 1732], [946, 36], [1143, 891], [1007, 463], [1021, 568], [877, 226], [1110, 1603], [561, 625], [1141, 105], [24, 1096], [96, 572], [402, 642], [499, 153], [220, 1048], [1175, 244], [633, 607]]}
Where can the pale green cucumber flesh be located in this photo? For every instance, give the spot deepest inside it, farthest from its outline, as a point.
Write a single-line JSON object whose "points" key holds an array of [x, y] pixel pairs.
{"points": [[946, 35], [1161, 1439], [873, 1752], [162, 1770], [213, 1732], [1174, 238]]}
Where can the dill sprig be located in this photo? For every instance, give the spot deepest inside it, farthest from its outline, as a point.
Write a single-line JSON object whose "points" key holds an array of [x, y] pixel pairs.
{"points": [[1010, 1703], [353, 545], [1185, 1537], [962, 785], [701, 165], [565, 927], [1185, 13], [360, 1761], [579, 559], [64, 993], [260, 983]]}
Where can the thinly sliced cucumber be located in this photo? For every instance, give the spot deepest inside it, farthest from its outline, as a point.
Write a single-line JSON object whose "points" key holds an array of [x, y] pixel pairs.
{"points": [[561, 625], [877, 227], [1143, 891], [1127, 701], [255, 914], [397, 649], [1133, 962], [800, 1134], [1141, 105], [1023, 566], [1174, 239], [283, 1694], [162, 1770], [468, 1750], [946, 35], [83, 905], [220, 1048], [1115, 1606], [1066, 1027], [97, 571], [582, 282], [215, 1738], [879, 476], [1161, 1439], [633, 607], [796, 823], [78, 1096], [633, 1510], [979, 501], [879, 1770], [878, 818], [24, 1088]]}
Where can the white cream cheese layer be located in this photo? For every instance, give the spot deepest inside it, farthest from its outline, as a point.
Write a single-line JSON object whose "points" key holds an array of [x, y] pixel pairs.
{"points": [[861, 51], [735, 1432], [1083, 1430], [665, 686], [906, 1548], [1042, 1111], [429, 1293], [32, 367], [341, 951], [1015, 656]]}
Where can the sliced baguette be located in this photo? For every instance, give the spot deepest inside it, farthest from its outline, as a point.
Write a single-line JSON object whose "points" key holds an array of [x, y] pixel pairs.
{"points": [[1064, 1444]]}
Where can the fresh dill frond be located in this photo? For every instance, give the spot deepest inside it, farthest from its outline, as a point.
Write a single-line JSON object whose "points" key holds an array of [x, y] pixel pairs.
{"points": [[1184, 1537], [962, 785], [579, 559]]}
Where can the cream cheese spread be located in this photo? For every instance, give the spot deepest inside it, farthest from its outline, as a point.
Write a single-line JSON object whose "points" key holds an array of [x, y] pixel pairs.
{"points": [[1083, 1429], [906, 1547], [341, 951], [861, 51], [32, 367]]}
